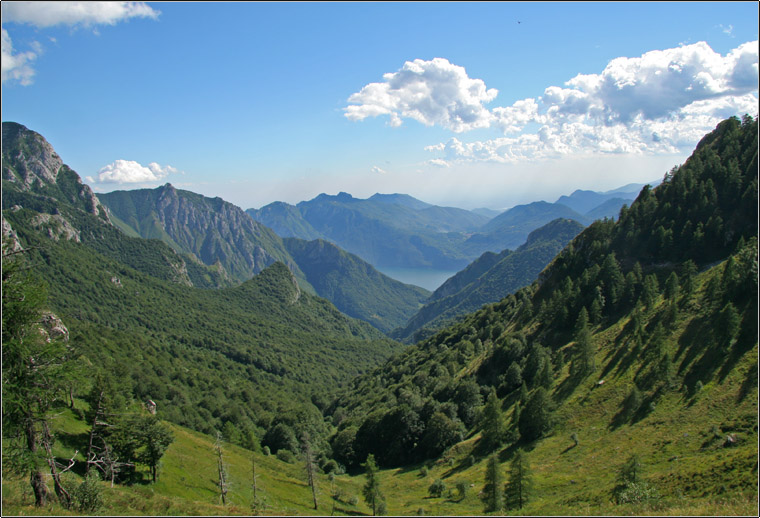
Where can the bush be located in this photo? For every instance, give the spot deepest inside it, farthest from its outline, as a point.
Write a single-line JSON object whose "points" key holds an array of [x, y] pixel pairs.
{"points": [[437, 488], [637, 493], [353, 500], [286, 456], [86, 496], [462, 489], [266, 451]]}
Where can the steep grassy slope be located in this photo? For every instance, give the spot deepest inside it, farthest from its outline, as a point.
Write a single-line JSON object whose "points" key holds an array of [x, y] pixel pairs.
{"points": [[641, 342]]}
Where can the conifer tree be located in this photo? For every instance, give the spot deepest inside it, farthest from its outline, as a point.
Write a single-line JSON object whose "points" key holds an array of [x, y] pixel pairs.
{"points": [[520, 481], [537, 416], [371, 490], [584, 358], [493, 423], [493, 491], [33, 370]]}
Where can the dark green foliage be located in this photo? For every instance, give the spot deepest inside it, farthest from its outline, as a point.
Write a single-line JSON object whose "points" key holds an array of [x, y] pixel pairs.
{"points": [[35, 366], [493, 490], [520, 481], [437, 488], [584, 361], [281, 437], [492, 423], [536, 419], [140, 438]]}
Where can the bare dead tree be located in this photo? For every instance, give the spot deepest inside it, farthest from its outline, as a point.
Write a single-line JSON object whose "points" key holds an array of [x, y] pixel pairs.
{"points": [[221, 469], [309, 459]]}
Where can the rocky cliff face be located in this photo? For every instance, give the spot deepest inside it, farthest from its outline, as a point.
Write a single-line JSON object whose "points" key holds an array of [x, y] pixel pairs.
{"points": [[215, 231], [30, 164]]}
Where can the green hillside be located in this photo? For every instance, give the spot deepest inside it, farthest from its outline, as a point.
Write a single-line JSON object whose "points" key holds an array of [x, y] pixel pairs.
{"points": [[489, 279], [626, 345], [625, 377], [354, 286]]}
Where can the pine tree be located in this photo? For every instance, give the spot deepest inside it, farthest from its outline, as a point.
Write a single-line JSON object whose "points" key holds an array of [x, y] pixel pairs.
{"points": [[520, 481], [493, 423], [536, 418], [34, 370], [371, 489], [584, 358], [493, 491]]}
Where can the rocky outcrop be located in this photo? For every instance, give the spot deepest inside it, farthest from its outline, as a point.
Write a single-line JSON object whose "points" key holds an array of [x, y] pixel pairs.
{"points": [[30, 164], [52, 328], [218, 233], [57, 227], [10, 238]]}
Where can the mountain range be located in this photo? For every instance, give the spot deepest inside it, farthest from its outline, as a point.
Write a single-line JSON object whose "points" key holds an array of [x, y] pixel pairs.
{"points": [[399, 231], [624, 373]]}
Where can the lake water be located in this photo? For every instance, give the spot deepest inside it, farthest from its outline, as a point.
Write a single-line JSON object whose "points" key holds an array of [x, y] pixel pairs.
{"points": [[427, 278]]}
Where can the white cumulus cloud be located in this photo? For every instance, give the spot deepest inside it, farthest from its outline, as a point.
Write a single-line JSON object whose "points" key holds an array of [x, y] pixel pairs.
{"points": [[661, 102], [16, 66], [433, 92], [377, 170], [86, 14], [129, 171]]}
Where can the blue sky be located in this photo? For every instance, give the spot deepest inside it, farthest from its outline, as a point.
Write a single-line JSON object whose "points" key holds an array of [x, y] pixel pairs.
{"points": [[464, 104]]}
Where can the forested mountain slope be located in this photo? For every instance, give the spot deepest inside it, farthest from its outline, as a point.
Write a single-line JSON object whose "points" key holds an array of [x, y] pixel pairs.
{"points": [[222, 236], [247, 358], [355, 286], [490, 278], [211, 229], [639, 339]]}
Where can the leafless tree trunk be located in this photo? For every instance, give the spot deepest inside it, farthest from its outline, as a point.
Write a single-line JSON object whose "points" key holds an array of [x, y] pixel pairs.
{"points": [[222, 471], [309, 467]]}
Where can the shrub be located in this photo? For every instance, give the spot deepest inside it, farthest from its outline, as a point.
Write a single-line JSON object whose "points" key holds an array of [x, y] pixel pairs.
{"points": [[286, 456], [86, 496], [637, 493], [462, 489], [437, 488]]}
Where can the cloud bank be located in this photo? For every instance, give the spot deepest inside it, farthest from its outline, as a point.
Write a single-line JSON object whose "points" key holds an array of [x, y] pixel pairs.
{"points": [[16, 66], [129, 172], [85, 14], [661, 102]]}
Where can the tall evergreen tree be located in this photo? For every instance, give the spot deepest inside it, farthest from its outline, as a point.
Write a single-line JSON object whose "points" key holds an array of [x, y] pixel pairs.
{"points": [[584, 361], [537, 416], [493, 491], [371, 490], [520, 481], [34, 369], [493, 422]]}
